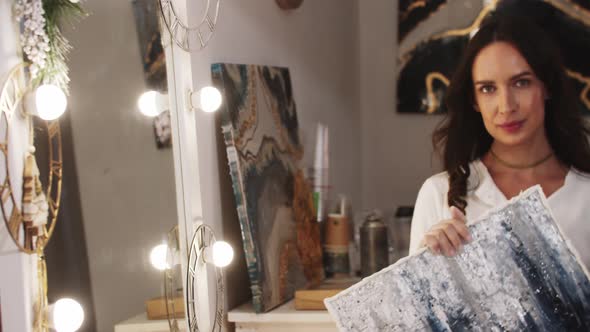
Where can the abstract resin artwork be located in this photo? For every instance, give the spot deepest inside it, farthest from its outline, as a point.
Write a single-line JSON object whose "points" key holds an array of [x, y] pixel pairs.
{"points": [[425, 69], [274, 201], [413, 12], [518, 274], [151, 50]]}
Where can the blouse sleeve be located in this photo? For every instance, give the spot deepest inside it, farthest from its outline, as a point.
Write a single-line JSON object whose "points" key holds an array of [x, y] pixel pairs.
{"points": [[427, 212]]}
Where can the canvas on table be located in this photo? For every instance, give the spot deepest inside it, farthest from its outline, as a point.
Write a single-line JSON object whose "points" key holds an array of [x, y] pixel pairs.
{"points": [[274, 200], [518, 274]]}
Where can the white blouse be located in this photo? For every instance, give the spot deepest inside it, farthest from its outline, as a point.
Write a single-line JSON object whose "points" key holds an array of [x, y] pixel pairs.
{"points": [[570, 205]]}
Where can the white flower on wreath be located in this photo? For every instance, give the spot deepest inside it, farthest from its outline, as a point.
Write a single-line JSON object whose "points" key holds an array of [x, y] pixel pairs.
{"points": [[34, 40]]}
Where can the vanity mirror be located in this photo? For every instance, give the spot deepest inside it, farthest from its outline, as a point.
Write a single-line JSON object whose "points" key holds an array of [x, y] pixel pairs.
{"points": [[126, 185], [117, 188]]}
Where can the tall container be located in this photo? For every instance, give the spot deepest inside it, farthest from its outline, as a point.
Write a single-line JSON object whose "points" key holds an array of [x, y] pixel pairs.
{"points": [[374, 248]]}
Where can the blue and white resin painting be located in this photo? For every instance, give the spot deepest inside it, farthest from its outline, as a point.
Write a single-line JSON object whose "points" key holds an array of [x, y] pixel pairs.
{"points": [[518, 274]]}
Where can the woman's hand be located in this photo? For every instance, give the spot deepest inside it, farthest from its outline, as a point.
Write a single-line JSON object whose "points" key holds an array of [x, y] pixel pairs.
{"points": [[448, 236]]}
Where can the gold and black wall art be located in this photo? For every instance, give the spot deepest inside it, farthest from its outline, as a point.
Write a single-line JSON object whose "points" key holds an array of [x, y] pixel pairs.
{"points": [[425, 69]]}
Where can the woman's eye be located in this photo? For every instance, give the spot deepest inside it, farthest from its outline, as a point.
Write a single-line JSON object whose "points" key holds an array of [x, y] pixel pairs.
{"points": [[487, 89], [522, 83]]}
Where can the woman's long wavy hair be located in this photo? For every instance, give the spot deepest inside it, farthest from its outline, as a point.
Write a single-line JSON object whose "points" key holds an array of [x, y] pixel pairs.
{"points": [[462, 138]]}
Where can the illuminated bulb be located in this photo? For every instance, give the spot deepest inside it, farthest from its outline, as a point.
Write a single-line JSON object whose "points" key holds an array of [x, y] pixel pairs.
{"points": [[66, 315], [147, 103], [158, 257], [50, 101], [222, 254], [207, 99], [152, 103]]}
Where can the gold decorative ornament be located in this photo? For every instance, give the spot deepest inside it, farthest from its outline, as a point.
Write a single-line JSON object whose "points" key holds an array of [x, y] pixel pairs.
{"points": [[25, 227], [190, 38]]}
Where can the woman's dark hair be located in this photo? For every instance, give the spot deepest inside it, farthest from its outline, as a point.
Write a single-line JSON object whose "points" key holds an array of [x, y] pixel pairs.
{"points": [[462, 138]]}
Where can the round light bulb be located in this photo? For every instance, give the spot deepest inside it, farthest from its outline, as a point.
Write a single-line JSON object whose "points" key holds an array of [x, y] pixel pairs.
{"points": [[158, 257], [68, 315], [209, 99], [222, 254], [50, 101], [147, 103]]}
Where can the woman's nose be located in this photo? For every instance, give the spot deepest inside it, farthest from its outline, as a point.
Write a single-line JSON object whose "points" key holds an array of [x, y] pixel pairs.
{"points": [[507, 101]]}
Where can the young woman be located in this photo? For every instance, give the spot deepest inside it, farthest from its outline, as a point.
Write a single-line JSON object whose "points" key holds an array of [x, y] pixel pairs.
{"points": [[512, 123]]}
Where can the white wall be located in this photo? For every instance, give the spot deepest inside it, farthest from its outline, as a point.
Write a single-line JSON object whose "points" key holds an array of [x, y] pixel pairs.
{"points": [[318, 43], [126, 184]]}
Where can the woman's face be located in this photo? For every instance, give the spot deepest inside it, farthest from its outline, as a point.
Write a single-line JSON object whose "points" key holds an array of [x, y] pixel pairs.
{"points": [[509, 96]]}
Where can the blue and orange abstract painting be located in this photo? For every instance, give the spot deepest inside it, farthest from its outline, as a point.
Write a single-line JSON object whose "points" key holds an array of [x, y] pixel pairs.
{"points": [[518, 274], [274, 201]]}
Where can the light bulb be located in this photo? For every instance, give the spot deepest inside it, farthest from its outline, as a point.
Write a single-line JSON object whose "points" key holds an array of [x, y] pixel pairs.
{"points": [[50, 101], [66, 315], [158, 257], [152, 103], [222, 254], [147, 103], [208, 99]]}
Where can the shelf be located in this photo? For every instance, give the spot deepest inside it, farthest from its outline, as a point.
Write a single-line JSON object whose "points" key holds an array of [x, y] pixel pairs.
{"points": [[284, 317], [140, 323]]}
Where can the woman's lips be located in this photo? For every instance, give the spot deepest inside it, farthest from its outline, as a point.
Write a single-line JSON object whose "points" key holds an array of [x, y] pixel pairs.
{"points": [[512, 127]]}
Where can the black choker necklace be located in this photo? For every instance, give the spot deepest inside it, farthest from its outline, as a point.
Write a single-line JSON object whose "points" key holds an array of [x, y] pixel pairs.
{"points": [[531, 165]]}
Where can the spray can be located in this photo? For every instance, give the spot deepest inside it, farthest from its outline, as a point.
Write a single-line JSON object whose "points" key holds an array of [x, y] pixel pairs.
{"points": [[374, 248]]}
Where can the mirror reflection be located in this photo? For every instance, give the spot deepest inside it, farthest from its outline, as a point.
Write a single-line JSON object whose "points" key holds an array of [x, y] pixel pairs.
{"points": [[121, 160]]}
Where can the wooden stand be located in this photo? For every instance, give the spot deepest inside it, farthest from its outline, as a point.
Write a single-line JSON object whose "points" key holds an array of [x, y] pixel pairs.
{"points": [[156, 308], [313, 299]]}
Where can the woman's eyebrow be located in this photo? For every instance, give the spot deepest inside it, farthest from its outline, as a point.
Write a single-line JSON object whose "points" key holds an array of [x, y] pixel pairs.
{"points": [[520, 75], [484, 82], [515, 77]]}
